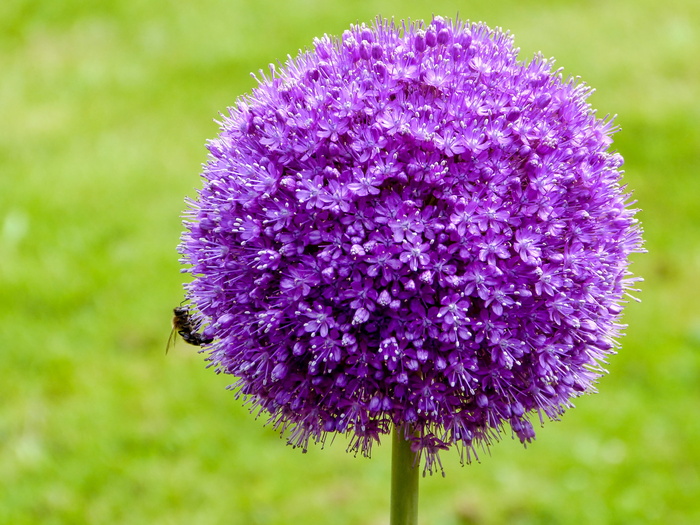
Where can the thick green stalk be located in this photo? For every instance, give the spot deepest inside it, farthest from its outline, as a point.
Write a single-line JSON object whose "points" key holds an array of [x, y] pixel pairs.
{"points": [[404, 480]]}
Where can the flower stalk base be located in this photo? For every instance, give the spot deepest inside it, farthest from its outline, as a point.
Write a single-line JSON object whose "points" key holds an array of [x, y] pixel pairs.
{"points": [[404, 480]]}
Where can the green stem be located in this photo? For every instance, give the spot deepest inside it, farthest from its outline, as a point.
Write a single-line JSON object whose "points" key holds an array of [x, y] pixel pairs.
{"points": [[404, 480]]}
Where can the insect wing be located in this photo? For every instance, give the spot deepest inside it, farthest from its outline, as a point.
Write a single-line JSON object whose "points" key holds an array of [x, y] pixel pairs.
{"points": [[171, 340]]}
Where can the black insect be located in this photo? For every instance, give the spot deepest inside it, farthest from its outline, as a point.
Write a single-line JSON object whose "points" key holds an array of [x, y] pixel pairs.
{"points": [[187, 328]]}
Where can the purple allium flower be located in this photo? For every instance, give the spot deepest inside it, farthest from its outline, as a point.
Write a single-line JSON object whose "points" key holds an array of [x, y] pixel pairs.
{"points": [[408, 225]]}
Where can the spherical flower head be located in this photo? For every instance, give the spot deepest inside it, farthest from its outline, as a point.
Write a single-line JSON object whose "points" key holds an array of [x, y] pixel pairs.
{"points": [[408, 226]]}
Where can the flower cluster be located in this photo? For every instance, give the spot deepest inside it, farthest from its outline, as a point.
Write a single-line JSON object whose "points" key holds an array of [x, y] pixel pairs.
{"points": [[409, 226]]}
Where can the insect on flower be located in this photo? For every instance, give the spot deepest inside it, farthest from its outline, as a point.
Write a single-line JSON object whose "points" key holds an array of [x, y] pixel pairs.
{"points": [[409, 225], [187, 328]]}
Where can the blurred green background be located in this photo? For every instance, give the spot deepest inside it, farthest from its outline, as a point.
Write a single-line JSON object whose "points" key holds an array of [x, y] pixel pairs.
{"points": [[105, 107]]}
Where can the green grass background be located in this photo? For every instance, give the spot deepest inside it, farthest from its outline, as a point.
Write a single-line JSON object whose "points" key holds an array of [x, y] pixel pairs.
{"points": [[104, 110]]}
